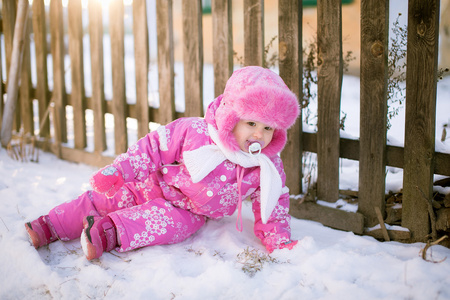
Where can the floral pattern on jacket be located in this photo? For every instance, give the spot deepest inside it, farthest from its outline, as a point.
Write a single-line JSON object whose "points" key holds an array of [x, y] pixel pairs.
{"points": [[157, 159]]}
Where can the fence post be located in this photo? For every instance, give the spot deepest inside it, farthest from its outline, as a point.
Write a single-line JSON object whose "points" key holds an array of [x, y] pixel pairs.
{"points": [[291, 66], [59, 89], [141, 57], [97, 72], [9, 12], [254, 33], [222, 44], [193, 58], [329, 56], [374, 75], [40, 41], [164, 24], [119, 109], [420, 115], [25, 99], [18, 46], [77, 94]]}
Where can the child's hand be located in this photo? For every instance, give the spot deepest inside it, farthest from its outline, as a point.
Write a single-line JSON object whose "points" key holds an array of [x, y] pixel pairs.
{"points": [[289, 245], [107, 181]]}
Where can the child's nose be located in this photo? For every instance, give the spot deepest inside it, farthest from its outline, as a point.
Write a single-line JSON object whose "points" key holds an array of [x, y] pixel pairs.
{"points": [[258, 133]]}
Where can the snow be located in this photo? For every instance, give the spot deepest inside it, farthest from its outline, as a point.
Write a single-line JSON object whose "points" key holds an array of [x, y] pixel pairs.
{"points": [[212, 264]]}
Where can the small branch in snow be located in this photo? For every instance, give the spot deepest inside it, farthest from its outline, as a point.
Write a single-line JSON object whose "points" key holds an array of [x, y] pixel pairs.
{"points": [[4, 223], [429, 244]]}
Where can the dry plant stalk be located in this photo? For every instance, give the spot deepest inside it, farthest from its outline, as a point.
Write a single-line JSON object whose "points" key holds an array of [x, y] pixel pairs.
{"points": [[22, 147], [428, 245]]}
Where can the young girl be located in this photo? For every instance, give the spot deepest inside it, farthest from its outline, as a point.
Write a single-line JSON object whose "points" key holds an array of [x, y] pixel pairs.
{"points": [[165, 187]]}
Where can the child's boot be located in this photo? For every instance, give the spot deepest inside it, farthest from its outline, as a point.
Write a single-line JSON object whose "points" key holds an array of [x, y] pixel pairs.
{"points": [[41, 232], [98, 236]]}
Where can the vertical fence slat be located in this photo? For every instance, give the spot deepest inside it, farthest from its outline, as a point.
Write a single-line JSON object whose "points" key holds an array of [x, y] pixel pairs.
{"points": [[9, 9], [2, 91], [76, 66], [59, 88], [164, 24], [291, 65], [25, 99], [222, 44], [420, 115], [97, 74], [40, 41], [18, 48], [372, 158], [9, 12], [116, 25], [193, 58], [254, 33], [141, 57], [329, 43]]}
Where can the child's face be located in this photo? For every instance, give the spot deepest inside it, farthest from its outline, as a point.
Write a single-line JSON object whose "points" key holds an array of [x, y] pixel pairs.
{"points": [[247, 132]]}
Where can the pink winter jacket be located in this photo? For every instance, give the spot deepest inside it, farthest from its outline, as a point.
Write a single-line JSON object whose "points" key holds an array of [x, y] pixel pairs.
{"points": [[157, 159]]}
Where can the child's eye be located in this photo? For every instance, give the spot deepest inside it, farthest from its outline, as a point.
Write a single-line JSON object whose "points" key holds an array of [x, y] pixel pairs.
{"points": [[268, 128], [251, 123]]}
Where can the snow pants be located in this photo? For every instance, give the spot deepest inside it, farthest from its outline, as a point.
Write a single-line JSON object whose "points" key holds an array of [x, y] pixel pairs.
{"points": [[139, 222]]}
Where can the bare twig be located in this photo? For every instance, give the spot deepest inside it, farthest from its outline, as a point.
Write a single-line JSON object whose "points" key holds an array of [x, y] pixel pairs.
{"points": [[4, 223], [383, 227], [428, 245], [431, 213]]}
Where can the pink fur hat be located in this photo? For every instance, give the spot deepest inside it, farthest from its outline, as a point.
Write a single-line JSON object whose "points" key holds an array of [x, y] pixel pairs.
{"points": [[258, 94]]}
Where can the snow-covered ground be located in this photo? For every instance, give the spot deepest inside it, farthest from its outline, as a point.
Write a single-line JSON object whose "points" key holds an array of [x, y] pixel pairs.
{"points": [[326, 264], [212, 264]]}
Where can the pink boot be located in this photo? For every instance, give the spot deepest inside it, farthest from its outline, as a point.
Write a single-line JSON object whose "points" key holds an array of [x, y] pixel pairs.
{"points": [[41, 232], [98, 236]]}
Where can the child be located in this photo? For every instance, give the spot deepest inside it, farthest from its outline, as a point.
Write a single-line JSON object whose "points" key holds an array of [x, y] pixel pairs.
{"points": [[165, 187]]}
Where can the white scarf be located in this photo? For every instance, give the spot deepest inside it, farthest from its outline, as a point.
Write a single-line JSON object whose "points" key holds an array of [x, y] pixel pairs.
{"points": [[200, 162]]}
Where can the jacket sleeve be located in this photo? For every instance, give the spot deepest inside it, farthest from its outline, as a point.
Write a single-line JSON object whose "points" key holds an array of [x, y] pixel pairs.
{"points": [[158, 148], [276, 233]]}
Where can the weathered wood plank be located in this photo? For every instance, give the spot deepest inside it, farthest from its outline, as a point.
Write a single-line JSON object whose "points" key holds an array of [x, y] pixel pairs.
{"points": [[164, 21], [193, 58], [291, 65], [254, 33], [59, 87], [97, 71], [18, 46], [394, 155], [328, 216], [329, 56], [395, 235], [373, 111], [25, 99], [116, 25], [222, 44], [142, 62], [77, 74], [9, 13], [40, 42], [420, 114], [2, 91]]}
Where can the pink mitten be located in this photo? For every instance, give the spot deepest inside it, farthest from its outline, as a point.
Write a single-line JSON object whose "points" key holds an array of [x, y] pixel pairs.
{"points": [[289, 245], [107, 181]]}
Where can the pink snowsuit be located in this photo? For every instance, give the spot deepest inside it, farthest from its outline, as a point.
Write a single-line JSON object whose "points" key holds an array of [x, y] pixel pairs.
{"points": [[172, 186], [159, 203]]}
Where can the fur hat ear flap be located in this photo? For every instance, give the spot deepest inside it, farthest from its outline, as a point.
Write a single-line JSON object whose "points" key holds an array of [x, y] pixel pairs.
{"points": [[226, 119], [277, 144]]}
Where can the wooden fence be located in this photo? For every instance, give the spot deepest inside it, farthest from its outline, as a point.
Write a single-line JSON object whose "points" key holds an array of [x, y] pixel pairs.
{"points": [[418, 157]]}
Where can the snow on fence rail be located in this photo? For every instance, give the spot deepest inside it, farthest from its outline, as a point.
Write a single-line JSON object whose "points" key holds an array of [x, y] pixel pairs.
{"points": [[417, 158]]}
